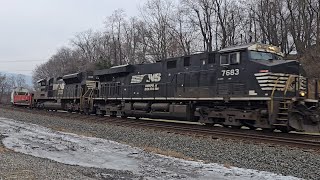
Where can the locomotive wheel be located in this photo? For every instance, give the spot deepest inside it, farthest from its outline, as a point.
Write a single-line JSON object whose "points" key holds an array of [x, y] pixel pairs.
{"points": [[250, 127], [267, 130], [236, 127], [123, 115], [284, 129], [209, 124]]}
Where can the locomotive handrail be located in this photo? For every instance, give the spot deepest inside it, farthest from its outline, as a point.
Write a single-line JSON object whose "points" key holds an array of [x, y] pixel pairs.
{"points": [[289, 81], [90, 99], [81, 96], [272, 94]]}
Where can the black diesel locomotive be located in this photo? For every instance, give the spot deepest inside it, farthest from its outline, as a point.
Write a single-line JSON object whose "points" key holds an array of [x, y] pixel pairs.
{"points": [[249, 85]]}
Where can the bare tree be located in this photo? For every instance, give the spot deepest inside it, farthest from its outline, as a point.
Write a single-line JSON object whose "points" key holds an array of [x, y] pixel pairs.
{"points": [[315, 7], [156, 15], [85, 42], [201, 17], [114, 26], [168, 28], [5, 88], [301, 21], [2, 86], [228, 20], [184, 31], [21, 80]]}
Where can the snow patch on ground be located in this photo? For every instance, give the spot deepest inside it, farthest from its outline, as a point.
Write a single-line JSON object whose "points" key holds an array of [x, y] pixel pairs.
{"points": [[84, 151]]}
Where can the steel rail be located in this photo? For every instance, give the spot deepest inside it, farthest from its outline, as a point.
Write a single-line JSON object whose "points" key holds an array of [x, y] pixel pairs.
{"points": [[194, 130]]}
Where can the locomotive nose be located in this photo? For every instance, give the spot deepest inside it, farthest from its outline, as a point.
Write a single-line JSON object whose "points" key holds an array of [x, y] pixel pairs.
{"points": [[280, 75], [286, 66], [282, 66]]}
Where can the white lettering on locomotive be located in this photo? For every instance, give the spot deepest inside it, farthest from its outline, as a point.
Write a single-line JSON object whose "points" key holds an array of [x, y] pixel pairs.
{"points": [[156, 77], [151, 78], [151, 87], [230, 72]]}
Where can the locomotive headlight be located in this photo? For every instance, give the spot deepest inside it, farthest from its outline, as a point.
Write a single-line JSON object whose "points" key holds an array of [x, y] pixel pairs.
{"points": [[302, 93]]}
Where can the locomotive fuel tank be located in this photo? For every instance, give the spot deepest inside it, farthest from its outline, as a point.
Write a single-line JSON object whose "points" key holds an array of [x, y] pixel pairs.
{"points": [[162, 107], [141, 106], [52, 105]]}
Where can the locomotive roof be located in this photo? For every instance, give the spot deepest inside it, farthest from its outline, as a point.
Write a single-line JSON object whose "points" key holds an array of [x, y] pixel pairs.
{"points": [[69, 76], [20, 89], [124, 65], [127, 68], [40, 80], [254, 47], [237, 47]]}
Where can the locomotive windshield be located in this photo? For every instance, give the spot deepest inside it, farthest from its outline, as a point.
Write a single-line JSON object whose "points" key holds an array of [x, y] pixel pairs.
{"points": [[255, 55]]}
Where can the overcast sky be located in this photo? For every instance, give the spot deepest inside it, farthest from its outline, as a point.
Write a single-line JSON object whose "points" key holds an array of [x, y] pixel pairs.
{"points": [[32, 30]]}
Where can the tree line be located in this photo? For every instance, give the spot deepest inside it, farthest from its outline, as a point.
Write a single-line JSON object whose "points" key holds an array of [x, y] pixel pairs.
{"points": [[169, 28]]}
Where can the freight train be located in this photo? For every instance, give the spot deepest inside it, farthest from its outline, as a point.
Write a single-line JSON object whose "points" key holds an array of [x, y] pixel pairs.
{"points": [[247, 85]]}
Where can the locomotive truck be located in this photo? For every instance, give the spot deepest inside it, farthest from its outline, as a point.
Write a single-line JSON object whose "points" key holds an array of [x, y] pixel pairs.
{"points": [[247, 85]]}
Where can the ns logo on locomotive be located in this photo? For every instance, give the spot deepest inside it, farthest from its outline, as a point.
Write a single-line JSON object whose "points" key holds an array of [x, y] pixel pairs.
{"points": [[247, 85], [156, 77]]}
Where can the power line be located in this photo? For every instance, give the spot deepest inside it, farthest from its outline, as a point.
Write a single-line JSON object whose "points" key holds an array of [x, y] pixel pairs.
{"points": [[18, 70], [18, 61]]}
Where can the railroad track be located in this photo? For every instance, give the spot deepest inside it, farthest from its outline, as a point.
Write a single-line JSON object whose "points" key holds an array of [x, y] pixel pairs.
{"points": [[305, 141]]}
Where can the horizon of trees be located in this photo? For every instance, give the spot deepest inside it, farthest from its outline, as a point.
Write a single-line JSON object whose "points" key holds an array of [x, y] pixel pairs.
{"points": [[167, 28]]}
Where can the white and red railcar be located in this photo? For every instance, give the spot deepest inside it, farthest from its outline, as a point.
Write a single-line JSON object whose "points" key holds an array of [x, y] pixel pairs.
{"points": [[21, 96]]}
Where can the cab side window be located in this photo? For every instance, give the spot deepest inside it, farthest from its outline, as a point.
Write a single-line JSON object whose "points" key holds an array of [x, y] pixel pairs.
{"points": [[186, 61], [230, 58], [224, 59], [211, 58], [234, 58], [171, 64]]}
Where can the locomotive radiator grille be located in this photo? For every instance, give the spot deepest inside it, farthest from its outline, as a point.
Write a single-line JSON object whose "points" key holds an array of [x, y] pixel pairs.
{"points": [[279, 81]]}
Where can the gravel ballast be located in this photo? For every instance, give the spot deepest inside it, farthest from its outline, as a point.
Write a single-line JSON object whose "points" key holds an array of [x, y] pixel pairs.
{"points": [[20, 166], [281, 160]]}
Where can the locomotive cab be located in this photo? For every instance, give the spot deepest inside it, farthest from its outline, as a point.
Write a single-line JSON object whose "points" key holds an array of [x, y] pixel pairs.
{"points": [[291, 98], [41, 89], [262, 71]]}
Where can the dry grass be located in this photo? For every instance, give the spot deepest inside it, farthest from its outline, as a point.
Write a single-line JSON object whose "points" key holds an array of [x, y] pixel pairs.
{"points": [[227, 165], [3, 149], [59, 129], [86, 134], [20, 174], [166, 153]]}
